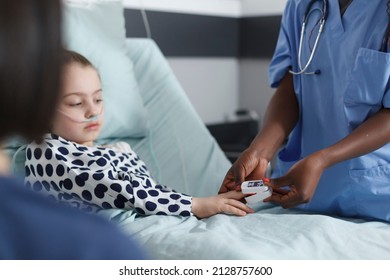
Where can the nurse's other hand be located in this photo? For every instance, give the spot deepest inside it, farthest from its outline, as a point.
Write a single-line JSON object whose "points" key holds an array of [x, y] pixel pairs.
{"points": [[250, 165], [302, 180]]}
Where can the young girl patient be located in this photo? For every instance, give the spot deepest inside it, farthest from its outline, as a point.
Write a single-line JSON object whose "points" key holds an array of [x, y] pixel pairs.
{"points": [[69, 167]]}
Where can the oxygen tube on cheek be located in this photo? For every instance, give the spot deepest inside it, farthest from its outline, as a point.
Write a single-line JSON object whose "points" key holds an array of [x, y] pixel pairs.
{"points": [[79, 120]]}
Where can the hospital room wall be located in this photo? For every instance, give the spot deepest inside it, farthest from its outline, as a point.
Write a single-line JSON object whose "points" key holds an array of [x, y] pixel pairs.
{"points": [[218, 51], [254, 91], [260, 23], [217, 87], [211, 84]]}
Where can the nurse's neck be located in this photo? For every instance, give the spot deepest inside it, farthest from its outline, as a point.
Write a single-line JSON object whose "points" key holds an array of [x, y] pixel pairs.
{"points": [[344, 5]]}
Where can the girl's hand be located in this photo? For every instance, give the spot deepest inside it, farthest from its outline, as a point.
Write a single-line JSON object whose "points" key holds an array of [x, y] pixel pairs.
{"points": [[302, 180], [229, 202]]}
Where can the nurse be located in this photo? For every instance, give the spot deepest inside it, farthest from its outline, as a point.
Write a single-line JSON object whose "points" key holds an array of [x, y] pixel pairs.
{"points": [[328, 123]]}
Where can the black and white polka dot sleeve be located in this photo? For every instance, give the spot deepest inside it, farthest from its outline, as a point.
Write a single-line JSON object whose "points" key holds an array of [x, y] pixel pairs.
{"points": [[94, 178]]}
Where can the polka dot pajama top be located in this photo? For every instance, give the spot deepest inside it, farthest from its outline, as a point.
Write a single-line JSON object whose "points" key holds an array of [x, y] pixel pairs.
{"points": [[94, 178]]}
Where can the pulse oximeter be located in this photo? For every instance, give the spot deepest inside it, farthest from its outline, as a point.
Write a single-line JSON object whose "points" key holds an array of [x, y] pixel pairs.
{"points": [[257, 189]]}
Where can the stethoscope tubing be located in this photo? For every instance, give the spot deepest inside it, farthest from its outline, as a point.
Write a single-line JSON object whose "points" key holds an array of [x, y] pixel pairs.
{"points": [[304, 69], [324, 15]]}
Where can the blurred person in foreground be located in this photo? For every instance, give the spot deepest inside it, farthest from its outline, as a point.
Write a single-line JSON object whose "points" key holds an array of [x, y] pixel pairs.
{"points": [[32, 227]]}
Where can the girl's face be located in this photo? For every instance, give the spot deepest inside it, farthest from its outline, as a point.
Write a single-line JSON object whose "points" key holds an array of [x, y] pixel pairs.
{"points": [[79, 116]]}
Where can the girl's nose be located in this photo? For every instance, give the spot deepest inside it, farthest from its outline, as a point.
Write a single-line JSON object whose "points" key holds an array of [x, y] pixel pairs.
{"points": [[92, 111]]}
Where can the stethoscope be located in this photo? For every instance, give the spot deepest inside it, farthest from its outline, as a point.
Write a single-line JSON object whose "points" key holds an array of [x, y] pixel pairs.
{"points": [[324, 15]]}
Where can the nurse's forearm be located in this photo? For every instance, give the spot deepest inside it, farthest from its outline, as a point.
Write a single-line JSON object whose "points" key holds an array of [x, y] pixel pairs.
{"points": [[280, 118], [369, 136]]}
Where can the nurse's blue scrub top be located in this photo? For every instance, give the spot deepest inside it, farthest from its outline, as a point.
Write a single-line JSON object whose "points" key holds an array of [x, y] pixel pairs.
{"points": [[353, 85]]}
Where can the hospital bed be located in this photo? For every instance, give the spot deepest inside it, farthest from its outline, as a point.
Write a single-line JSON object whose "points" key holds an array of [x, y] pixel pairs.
{"points": [[181, 153]]}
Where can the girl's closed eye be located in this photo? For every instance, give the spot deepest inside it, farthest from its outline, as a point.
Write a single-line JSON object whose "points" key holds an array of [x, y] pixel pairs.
{"points": [[75, 104], [73, 101]]}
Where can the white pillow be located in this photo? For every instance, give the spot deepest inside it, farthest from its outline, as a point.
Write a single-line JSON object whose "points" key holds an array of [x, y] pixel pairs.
{"points": [[96, 29]]}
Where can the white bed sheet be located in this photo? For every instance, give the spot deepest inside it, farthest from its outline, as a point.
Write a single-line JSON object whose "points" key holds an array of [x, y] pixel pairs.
{"points": [[271, 233]]}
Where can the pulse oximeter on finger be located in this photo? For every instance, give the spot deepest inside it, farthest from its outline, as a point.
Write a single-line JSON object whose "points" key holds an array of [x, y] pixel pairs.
{"points": [[257, 189]]}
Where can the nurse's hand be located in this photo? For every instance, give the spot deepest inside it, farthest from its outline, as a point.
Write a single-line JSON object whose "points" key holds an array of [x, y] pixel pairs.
{"points": [[302, 180], [250, 165]]}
